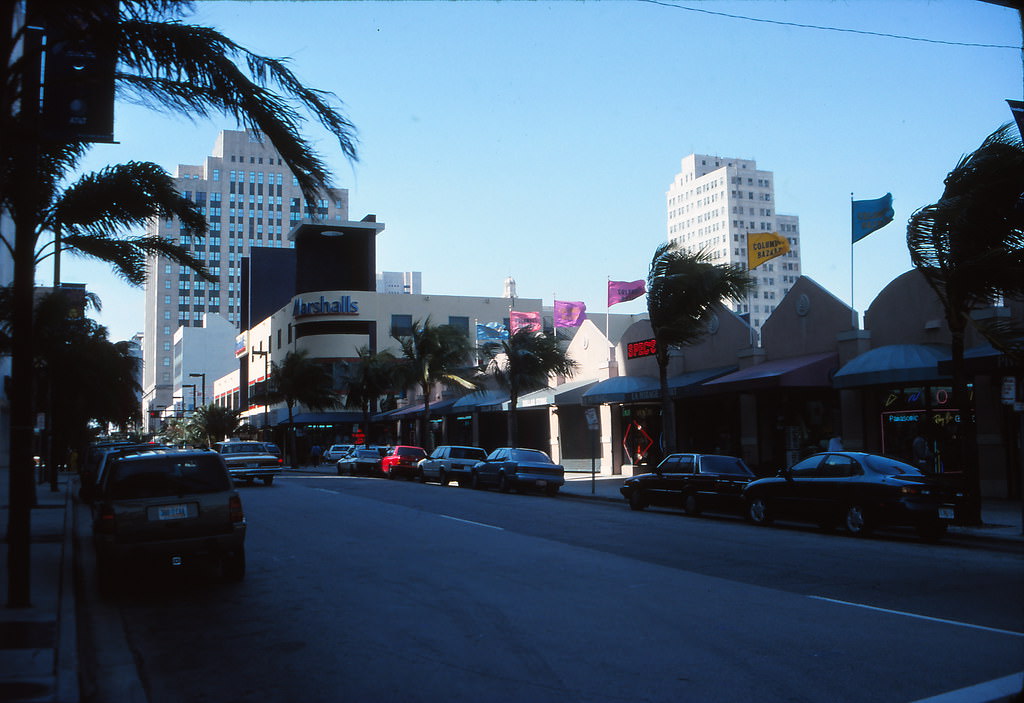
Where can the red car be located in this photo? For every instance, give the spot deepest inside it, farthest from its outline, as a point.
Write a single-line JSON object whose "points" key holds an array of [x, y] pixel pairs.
{"points": [[402, 461]]}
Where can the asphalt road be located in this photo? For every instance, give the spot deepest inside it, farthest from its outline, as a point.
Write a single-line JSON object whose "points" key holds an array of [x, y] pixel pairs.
{"points": [[370, 590]]}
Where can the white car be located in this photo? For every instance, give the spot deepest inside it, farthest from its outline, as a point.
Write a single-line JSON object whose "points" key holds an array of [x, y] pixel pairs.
{"points": [[337, 451]]}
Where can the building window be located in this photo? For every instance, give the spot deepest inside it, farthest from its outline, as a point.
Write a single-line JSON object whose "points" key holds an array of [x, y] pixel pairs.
{"points": [[460, 323], [401, 325]]}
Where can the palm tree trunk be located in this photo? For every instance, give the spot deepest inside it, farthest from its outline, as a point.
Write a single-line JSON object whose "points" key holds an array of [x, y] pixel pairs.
{"points": [[426, 437], [668, 419], [966, 445], [513, 419]]}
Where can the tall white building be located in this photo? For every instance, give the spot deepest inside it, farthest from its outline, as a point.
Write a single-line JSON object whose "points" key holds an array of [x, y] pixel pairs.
{"points": [[250, 198], [400, 282], [713, 203]]}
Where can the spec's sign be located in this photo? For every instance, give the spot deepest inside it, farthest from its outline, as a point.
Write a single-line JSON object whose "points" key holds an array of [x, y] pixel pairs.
{"points": [[646, 347]]}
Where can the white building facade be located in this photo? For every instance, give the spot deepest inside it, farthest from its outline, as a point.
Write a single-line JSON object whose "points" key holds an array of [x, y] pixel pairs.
{"points": [[250, 198], [713, 203]]}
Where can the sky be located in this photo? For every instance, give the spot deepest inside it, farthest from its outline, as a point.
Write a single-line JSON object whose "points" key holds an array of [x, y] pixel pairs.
{"points": [[537, 139]]}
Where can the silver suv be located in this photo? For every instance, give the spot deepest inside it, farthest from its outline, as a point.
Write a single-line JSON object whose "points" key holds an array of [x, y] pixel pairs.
{"points": [[167, 507]]}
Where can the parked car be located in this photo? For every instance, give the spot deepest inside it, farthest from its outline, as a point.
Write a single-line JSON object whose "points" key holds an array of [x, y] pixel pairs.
{"points": [[510, 467], [168, 507], [364, 462], [450, 463], [96, 460], [402, 461], [693, 482], [860, 491], [336, 451], [248, 461]]}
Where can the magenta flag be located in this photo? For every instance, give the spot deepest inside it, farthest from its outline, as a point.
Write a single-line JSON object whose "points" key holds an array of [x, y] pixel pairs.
{"points": [[528, 320], [570, 313], [621, 291]]}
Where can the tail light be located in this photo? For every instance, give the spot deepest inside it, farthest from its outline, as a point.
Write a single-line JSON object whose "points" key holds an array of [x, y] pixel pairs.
{"points": [[105, 523], [280, 461], [235, 509]]}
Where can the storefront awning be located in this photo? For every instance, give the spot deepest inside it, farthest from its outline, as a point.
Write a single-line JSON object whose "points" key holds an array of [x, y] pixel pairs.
{"points": [[986, 360], [811, 371], [894, 365], [327, 418], [570, 393], [622, 389], [482, 400], [690, 383]]}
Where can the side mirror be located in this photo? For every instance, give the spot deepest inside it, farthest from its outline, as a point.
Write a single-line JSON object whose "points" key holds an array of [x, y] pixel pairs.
{"points": [[786, 474]]}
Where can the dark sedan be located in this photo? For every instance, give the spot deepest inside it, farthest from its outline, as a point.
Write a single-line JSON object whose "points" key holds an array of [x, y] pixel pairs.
{"points": [[693, 482], [360, 461], [509, 468], [860, 491]]}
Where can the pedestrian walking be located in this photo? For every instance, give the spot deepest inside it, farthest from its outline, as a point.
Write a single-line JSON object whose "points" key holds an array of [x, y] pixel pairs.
{"points": [[923, 455], [315, 454]]}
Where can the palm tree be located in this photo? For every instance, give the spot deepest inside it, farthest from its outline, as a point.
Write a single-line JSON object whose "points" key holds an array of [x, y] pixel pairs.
{"points": [[522, 363], [970, 248], [683, 288], [434, 354], [169, 65], [300, 381], [372, 376], [214, 422]]}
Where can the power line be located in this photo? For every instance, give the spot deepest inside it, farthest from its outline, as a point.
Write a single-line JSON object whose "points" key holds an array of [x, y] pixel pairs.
{"points": [[829, 29]]}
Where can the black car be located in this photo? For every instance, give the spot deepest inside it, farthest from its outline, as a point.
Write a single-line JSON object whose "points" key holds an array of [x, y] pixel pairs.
{"points": [[693, 482], [509, 468], [450, 463], [360, 461], [860, 491]]}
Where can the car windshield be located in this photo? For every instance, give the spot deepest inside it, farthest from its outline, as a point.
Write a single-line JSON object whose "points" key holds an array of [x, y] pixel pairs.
{"points": [[368, 454], [157, 477], [468, 453], [529, 455], [724, 465], [241, 449], [410, 451], [889, 467]]}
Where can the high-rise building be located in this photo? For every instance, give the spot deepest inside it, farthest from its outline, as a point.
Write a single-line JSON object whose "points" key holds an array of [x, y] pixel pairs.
{"points": [[250, 199], [713, 203], [400, 282]]}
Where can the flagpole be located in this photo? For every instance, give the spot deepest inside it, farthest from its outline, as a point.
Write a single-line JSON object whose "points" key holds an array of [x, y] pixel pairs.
{"points": [[607, 313], [853, 311]]}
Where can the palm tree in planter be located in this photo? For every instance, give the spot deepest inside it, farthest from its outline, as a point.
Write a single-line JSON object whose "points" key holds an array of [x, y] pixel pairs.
{"points": [[522, 363], [683, 288], [299, 380], [434, 354], [970, 248], [372, 376], [214, 423]]}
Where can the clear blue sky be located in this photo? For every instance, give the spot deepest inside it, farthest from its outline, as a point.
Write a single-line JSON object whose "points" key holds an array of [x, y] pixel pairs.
{"points": [[538, 139]]}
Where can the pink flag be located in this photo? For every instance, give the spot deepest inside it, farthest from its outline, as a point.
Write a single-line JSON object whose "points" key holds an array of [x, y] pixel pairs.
{"points": [[621, 291], [528, 320], [570, 313]]}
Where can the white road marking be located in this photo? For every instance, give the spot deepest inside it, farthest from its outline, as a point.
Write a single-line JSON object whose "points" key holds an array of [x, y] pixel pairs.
{"points": [[921, 617], [470, 522], [994, 690]]}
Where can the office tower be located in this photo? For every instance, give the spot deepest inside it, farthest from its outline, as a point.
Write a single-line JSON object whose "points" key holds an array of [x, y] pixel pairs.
{"points": [[713, 203], [250, 199]]}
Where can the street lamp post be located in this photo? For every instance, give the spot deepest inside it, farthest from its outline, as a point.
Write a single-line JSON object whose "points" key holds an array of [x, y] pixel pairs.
{"points": [[266, 385], [201, 376]]}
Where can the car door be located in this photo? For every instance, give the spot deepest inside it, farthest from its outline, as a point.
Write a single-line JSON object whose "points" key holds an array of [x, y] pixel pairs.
{"points": [[797, 495], [488, 470], [680, 480], [657, 486], [838, 488]]}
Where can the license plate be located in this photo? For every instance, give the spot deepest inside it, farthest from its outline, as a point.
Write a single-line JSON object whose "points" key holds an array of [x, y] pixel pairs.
{"points": [[172, 512], [946, 513], [252, 466], [542, 483]]}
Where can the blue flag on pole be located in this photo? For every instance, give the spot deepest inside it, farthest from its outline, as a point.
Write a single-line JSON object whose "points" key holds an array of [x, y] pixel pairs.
{"points": [[869, 215]]}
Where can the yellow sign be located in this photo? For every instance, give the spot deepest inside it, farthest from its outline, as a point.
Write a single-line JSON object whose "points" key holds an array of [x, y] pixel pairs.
{"points": [[764, 246]]}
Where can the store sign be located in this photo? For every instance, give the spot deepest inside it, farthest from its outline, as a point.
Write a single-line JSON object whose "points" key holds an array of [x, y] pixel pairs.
{"points": [[637, 350], [343, 305]]}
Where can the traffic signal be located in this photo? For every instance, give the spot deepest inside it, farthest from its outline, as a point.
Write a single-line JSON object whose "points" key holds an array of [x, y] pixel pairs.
{"points": [[78, 76]]}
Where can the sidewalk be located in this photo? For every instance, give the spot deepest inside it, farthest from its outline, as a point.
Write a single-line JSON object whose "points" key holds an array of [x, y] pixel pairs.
{"points": [[38, 644]]}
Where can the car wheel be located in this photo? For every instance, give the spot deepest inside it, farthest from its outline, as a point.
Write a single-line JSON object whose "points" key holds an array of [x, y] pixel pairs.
{"points": [[390, 474], [442, 477], [636, 501], [269, 480], [690, 506], [758, 511], [503, 484], [339, 469], [551, 491], [474, 482], [932, 530], [233, 567], [856, 521], [420, 476]]}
